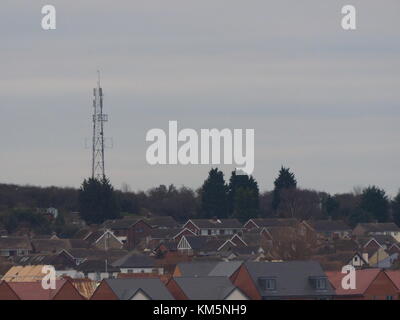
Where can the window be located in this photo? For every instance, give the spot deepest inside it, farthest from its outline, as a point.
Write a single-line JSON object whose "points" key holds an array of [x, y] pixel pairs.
{"points": [[267, 284], [320, 284]]}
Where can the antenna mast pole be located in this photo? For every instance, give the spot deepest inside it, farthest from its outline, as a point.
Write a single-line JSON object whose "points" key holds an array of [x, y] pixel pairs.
{"points": [[98, 169]]}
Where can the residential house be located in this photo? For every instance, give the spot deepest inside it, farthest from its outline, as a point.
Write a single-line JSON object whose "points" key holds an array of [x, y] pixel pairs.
{"points": [[377, 241], [24, 274], [206, 268], [161, 222], [79, 255], [63, 264], [370, 284], [335, 261], [14, 246], [259, 223], [135, 262], [394, 275], [64, 290], [86, 287], [283, 280], [204, 288], [373, 229], [376, 257], [49, 246], [132, 289], [158, 236], [197, 245], [104, 240], [214, 227], [97, 270], [330, 229], [120, 227]]}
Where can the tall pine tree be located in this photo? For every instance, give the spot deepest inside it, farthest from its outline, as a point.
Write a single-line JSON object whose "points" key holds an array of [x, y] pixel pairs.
{"points": [[97, 201], [214, 193], [285, 180], [243, 197]]}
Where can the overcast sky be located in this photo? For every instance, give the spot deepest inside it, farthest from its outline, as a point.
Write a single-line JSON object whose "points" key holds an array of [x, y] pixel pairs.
{"points": [[323, 101]]}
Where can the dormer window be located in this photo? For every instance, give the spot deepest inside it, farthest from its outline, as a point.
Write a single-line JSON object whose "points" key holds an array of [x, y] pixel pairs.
{"points": [[319, 283], [267, 284]]}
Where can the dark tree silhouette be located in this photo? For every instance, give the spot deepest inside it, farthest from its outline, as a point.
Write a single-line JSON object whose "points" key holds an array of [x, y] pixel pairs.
{"points": [[214, 196], [243, 195], [285, 180], [97, 201], [376, 203], [396, 209]]}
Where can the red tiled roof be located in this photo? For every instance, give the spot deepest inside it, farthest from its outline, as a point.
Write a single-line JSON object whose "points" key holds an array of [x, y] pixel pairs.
{"points": [[364, 278], [34, 290], [394, 275]]}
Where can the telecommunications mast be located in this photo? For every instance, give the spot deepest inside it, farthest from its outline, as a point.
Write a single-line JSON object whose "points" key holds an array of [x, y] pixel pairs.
{"points": [[98, 169]]}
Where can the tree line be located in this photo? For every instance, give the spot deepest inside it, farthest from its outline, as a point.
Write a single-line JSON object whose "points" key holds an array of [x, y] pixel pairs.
{"points": [[237, 197]]}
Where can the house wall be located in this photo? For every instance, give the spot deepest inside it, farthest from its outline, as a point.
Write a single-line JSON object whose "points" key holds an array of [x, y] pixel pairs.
{"points": [[378, 256], [250, 225], [236, 295], [142, 270], [140, 296], [237, 241], [109, 242], [183, 233], [98, 276], [136, 233], [372, 245], [104, 292], [14, 252], [242, 279], [189, 225]]}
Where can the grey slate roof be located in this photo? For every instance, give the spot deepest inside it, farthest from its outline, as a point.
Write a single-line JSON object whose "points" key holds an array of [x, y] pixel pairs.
{"points": [[205, 288], [225, 268], [135, 260], [292, 278], [152, 287], [197, 243], [208, 268]]}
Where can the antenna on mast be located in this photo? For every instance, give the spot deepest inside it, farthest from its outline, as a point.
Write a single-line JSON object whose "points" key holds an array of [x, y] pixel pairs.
{"points": [[98, 168]]}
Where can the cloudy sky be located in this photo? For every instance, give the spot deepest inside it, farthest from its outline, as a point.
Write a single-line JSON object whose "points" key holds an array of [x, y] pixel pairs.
{"points": [[323, 101]]}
